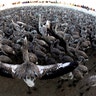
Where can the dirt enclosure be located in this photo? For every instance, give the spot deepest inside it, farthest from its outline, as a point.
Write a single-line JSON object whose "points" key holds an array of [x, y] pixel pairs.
{"points": [[74, 21]]}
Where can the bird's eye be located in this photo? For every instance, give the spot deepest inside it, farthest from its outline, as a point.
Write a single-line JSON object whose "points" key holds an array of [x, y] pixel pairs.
{"points": [[32, 78], [25, 77], [28, 77]]}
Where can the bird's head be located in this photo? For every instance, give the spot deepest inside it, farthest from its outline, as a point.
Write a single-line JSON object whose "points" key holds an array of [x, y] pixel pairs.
{"points": [[23, 41]]}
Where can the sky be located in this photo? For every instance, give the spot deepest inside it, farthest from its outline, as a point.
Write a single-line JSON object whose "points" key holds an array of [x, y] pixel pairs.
{"points": [[90, 3]]}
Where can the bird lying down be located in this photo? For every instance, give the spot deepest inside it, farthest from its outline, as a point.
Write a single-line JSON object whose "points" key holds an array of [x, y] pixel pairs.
{"points": [[29, 72]]}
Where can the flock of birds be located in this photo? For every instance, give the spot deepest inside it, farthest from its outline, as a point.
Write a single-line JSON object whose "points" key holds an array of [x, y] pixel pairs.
{"points": [[36, 47]]}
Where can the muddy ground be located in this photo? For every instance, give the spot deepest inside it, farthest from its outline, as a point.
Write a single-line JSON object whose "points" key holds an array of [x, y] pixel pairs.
{"points": [[54, 87]]}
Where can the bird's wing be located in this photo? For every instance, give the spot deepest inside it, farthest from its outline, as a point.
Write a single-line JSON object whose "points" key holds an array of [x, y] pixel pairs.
{"points": [[53, 71], [45, 72], [10, 68]]}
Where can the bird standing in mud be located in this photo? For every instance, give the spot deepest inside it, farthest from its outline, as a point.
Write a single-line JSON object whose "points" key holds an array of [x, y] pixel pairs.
{"points": [[28, 71]]}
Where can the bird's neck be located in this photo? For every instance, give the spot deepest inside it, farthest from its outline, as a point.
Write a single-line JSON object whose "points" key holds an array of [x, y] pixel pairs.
{"points": [[25, 54]]}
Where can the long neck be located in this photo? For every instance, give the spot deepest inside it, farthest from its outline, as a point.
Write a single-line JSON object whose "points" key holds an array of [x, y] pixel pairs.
{"points": [[40, 21], [25, 51], [56, 28], [1, 38]]}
